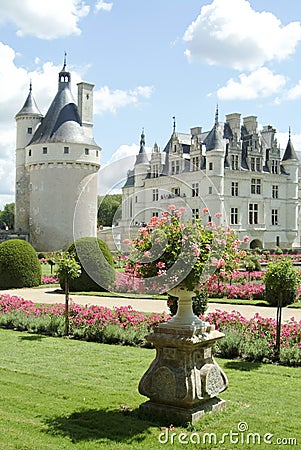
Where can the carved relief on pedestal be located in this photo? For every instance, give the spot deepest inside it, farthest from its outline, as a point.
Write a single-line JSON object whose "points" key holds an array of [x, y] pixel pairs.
{"points": [[213, 379]]}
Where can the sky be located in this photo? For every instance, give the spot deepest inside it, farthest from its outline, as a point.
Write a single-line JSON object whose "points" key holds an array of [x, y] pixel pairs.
{"points": [[151, 61]]}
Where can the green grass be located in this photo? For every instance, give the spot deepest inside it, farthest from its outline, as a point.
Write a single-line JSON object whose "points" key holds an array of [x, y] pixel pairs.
{"points": [[65, 394]]}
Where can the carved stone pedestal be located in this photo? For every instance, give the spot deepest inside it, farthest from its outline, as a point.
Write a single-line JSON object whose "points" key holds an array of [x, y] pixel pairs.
{"points": [[184, 380]]}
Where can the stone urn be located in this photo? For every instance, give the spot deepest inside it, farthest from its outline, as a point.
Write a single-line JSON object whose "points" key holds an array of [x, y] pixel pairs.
{"points": [[184, 380]]}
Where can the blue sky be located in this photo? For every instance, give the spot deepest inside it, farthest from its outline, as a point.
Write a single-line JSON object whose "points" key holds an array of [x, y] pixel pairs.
{"points": [[150, 61]]}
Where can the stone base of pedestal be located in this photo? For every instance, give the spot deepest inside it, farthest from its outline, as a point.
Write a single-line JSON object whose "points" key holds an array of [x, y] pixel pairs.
{"points": [[175, 415], [184, 380]]}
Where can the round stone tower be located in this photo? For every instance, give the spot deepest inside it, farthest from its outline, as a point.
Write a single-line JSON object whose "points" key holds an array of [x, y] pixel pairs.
{"points": [[61, 162]]}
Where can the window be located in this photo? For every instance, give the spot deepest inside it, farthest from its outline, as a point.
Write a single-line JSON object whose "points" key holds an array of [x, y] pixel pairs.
{"points": [[195, 214], [234, 188], [274, 191], [274, 166], [210, 190], [29, 152], [255, 186], [253, 213], [66, 150], [155, 214], [155, 171], [274, 217], [96, 152], [29, 130], [176, 191], [255, 164], [175, 148], [195, 189], [155, 195], [234, 162], [234, 216], [277, 241], [211, 166], [177, 166], [87, 151], [195, 163], [44, 150]]}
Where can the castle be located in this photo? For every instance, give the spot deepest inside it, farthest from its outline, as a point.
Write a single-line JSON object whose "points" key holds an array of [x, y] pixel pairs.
{"points": [[233, 169], [57, 161]]}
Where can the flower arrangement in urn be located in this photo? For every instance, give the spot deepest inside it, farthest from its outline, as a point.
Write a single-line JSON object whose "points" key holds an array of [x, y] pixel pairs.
{"points": [[170, 251]]}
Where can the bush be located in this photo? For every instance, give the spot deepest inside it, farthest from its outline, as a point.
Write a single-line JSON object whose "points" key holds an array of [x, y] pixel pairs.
{"points": [[19, 265], [199, 303], [96, 261], [281, 278]]}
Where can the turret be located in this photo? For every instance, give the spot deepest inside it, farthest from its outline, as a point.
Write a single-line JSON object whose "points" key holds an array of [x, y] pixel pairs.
{"points": [[290, 164], [27, 120], [142, 165]]}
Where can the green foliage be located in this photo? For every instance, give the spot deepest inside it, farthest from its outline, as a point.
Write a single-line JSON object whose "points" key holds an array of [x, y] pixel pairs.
{"points": [[68, 268], [199, 303], [7, 216], [281, 279], [251, 263], [96, 264], [19, 265], [108, 212]]}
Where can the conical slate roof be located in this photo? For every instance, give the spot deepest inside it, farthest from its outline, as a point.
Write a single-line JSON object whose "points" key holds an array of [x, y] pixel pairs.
{"points": [[62, 122], [289, 151], [30, 107]]}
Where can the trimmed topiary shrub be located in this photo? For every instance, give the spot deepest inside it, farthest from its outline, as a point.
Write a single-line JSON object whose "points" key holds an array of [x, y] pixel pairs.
{"points": [[19, 265], [96, 261]]}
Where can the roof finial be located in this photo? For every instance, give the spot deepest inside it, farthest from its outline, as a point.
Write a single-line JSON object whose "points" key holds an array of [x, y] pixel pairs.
{"points": [[30, 85], [216, 114], [65, 60], [289, 132], [174, 124]]}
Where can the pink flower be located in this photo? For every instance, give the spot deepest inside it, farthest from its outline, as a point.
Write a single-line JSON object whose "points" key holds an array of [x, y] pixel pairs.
{"points": [[160, 264], [205, 210], [146, 254], [218, 215], [127, 241], [172, 207], [246, 239]]}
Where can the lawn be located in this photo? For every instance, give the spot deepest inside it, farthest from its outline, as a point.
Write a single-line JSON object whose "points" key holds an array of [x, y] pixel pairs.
{"points": [[67, 394]]}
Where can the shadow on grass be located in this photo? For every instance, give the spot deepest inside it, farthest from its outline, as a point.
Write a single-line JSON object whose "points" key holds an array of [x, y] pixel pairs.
{"points": [[32, 337], [244, 366], [99, 424]]}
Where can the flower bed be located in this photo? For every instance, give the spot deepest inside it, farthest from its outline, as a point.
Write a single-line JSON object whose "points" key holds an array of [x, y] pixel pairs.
{"points": [[49, 280], [252, 339]]}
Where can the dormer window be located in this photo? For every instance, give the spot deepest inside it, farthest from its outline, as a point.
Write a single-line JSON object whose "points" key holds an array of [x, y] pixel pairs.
{"points": [[66, 150], [86, 151]]}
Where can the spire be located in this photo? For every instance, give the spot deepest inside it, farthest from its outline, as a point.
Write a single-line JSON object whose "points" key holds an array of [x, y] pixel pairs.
{"points": [[141, 158], [174, 125], [289, 151], [216, 114], [30, 106]]}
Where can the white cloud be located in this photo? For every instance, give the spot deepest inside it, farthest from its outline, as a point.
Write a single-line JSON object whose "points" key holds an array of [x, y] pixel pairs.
{"points": [[107, 100], [101, 5], [231, 33], [260, 83], [44, 19], [295, 92]]}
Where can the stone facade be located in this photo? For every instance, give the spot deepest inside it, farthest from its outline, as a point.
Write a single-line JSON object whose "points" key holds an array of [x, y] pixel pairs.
{"points": [[57, 161], [233, 169]]}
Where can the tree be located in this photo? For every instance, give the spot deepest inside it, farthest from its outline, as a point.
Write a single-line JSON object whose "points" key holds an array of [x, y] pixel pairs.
{"points": [[108, 212], [7, 216], [67, 270], [281, 283]]}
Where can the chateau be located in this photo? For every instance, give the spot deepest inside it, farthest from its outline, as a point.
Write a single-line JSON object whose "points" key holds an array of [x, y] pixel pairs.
{"points": [[57, 161], [233, 169]]}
